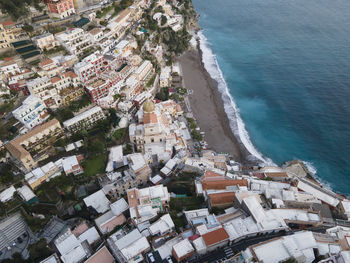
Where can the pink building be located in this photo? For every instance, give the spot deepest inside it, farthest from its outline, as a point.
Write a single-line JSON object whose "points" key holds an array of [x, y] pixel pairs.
{"points": [[62, 8], [71, 165], [90, 66]]}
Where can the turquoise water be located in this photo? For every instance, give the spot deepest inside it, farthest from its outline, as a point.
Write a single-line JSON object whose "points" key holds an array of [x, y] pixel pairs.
{"points": [[287, 64]]}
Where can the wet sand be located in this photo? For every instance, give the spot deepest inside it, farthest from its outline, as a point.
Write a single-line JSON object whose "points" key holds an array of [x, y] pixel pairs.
{"points": [[207, 106]]}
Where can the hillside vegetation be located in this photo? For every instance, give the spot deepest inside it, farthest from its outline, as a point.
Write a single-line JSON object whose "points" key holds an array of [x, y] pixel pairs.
{"points": [[18, 8]]}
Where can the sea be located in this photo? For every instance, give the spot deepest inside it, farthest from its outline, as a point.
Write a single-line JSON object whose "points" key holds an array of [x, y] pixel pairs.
{"points": [[283, 69]]}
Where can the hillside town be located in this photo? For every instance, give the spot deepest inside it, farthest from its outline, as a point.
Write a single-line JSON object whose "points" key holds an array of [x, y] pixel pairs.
{"points": [[102, 159]]}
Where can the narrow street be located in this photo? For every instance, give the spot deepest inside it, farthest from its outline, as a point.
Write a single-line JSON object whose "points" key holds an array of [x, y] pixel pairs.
{"points": [[230, 251]]}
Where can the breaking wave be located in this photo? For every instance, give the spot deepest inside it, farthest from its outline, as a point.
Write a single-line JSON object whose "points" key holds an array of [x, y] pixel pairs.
{"points": [[236, 123]]}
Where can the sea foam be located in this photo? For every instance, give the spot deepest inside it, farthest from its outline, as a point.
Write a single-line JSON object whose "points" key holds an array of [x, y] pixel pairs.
{"points": [[236, 123], [312, 169]]}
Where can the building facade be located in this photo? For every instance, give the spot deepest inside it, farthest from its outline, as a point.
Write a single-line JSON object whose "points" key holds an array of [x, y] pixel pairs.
{"points": [[61, 8], [75, 40], [32, 112], [85, 119], [45, 41], [9, 33], [32, 147]]}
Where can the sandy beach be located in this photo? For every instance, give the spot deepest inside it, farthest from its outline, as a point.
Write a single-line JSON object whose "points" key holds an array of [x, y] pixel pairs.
{"points": [[207, 106]]}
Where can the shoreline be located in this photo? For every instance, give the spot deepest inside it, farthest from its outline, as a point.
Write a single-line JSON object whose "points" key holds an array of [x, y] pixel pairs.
{"points": [[208, 108], [192, 60]]}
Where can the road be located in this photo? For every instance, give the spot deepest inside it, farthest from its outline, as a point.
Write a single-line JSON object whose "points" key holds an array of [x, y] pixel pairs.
{"points": [[230, 251]]}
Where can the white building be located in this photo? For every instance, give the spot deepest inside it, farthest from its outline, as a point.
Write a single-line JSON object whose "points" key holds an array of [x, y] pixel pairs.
{"points": [[165, 77], [40, 87], [176, 22], [90, 235], [182, 250], [7, 194], [98, 201], [96, 34], [39, 175], [322, 194], [128, 247], [143, 71], [146, 203], [26, 193], [85, 119], [10, 67], [45, 41], [170, 166], [32, 112], [345, 207], [70, 248], [113, 218], [75, 40], [115, 158], [163, 226], [299, 246], [125, 47], [71, 165], [120, 24]]}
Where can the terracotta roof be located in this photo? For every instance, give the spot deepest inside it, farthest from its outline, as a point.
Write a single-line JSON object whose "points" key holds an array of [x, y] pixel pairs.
{"points": [[222, 198], [221, 182], [55, 79], [80, 157], [7, 23], [211, 174], [112, 224], [8, 62], [259, 175], [46, 62], [67, 91], [44, 115], [15, 146], [103, 255], [17, 150], [80, 229], [123, 14], [95, 31], [178, 108], [8, 59], [215, 236], [70, 74], [164, 119], [194, 237], [34, 131], [150, 118], [168, 103], [281, 175], [133, 196]]}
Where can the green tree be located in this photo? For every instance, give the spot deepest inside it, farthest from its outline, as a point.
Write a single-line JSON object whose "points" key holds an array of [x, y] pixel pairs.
{"points": [[163, 20], [96, 147], [119, 134], [39, 251], [163, 94], [16, 258], [28, 28], [128, 149], [290, 260], [6, 174]]}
